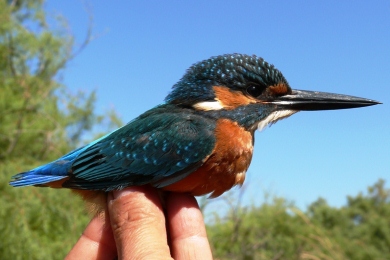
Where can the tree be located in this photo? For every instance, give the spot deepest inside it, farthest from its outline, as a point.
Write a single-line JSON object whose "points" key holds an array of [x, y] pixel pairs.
{"points": [[277, 230], [40, 120], [273, 230]]}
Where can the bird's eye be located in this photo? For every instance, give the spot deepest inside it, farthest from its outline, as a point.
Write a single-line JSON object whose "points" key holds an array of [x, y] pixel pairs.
{"points": [[254, 90]]}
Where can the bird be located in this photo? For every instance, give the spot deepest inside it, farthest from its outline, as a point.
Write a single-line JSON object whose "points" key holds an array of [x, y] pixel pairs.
{"points": [[198, 141]]}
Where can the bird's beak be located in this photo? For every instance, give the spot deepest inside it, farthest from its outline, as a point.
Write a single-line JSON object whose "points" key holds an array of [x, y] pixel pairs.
{"points": [[314, 100]]}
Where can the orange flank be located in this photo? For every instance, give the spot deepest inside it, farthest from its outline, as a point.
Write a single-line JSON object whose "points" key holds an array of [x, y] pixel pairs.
{"points": [[223, 169], [231, 99]]}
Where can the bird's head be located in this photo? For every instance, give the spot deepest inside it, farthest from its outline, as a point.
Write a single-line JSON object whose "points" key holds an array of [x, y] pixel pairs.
{"points": [[250, 89]]}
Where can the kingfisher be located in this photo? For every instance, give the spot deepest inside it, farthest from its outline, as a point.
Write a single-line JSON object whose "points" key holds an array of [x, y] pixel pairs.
{"points": [[199, 141]]}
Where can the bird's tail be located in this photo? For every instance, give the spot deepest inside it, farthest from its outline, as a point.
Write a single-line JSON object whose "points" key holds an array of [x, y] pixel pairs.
{"points": [[46, 175], [52, 174]]}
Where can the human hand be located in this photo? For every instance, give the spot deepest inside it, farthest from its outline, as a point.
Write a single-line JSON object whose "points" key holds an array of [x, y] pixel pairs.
{"points": [[135, 227]]}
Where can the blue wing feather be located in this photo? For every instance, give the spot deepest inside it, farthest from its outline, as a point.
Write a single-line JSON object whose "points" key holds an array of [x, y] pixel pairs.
{"points": [[160, 147]]}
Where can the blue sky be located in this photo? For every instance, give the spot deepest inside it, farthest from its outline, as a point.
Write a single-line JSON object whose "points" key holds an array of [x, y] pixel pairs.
{"points": [[141, 48]]}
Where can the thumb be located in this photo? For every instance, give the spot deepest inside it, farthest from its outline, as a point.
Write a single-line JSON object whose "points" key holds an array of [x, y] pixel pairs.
{"points": [[138, 223]]}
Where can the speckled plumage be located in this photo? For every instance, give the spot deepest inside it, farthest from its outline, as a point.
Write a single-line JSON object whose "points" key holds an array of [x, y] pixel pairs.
{"points": [[159, 147], [233, 70], [200, 140]]}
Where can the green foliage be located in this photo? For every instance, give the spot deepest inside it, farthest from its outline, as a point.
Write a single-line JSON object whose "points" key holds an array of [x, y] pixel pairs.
{"points": [[362, 228], [37, 223], [273, 230], [40, 120], [277, 230]]}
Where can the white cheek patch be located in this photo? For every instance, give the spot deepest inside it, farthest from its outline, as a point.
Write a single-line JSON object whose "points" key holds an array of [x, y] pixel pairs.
{"points": [[274, 117], [209, 105]]}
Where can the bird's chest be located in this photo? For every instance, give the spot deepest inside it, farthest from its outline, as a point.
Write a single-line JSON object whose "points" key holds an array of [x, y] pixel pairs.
{"points": [[225, 167]]}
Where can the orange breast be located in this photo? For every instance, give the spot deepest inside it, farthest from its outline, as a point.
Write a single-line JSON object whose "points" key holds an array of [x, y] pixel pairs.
{"points": [[225, 167]]}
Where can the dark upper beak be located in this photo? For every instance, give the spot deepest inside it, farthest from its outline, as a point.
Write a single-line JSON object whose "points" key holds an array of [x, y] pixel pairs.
{"points": [[314, 100]]}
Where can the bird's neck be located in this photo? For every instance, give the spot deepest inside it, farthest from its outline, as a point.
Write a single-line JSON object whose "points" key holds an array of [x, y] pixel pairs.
{"points": [[248, 116]]}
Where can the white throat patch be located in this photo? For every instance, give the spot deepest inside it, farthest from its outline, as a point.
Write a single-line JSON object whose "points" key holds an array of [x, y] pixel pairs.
{"points": [[274, 117]]}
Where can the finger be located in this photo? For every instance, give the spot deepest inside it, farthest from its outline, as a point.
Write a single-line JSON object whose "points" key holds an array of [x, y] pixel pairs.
{"points": [[96, 242], [138, 224], [186, 228]]}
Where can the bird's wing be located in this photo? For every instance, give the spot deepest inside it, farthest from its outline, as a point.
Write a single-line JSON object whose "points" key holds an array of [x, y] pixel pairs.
{"points": [[157, 148]]}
